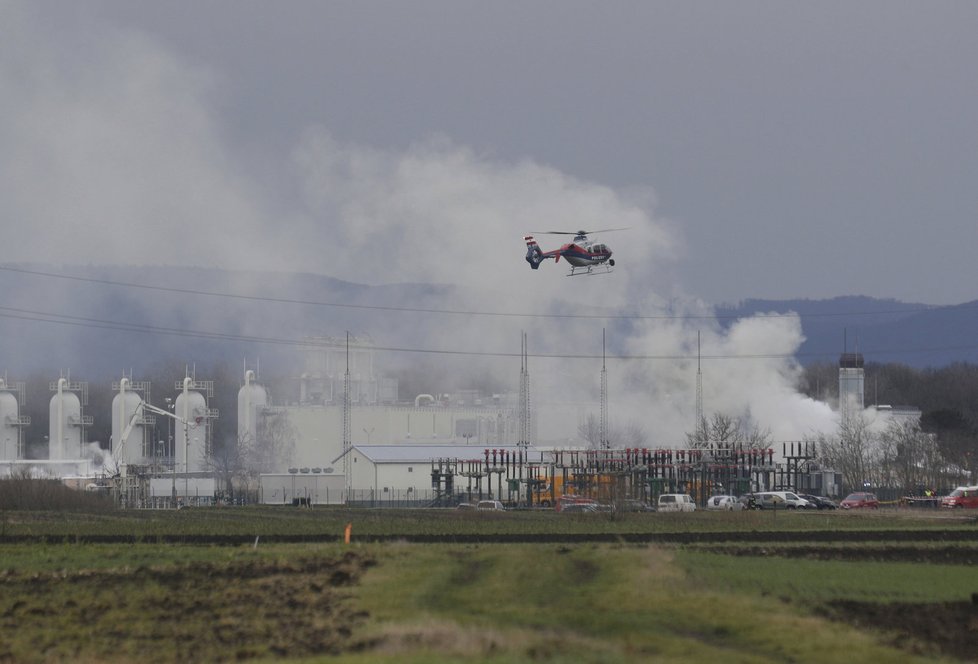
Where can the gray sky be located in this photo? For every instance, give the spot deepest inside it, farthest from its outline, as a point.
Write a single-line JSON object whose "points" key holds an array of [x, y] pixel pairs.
{"points": [[753, 149], [762, 149]]}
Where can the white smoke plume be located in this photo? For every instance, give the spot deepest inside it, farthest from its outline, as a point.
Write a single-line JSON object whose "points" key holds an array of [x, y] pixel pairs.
{"points": [[100, 458], [112, 151]]}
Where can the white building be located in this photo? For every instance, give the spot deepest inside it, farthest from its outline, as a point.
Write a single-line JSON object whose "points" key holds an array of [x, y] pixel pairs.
{"points": [[851, 385], [385, 473], [67, 420], [252, 400], [319, 429], [12, 422]]}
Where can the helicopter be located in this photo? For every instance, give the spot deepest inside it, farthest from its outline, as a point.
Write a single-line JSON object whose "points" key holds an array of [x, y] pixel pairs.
{"points": [[583, 255]]}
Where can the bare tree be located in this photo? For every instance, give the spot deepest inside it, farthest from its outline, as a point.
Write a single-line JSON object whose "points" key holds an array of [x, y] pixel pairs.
{"points": [[631, 434], [590, 431], [723, 430], [850, 451], [914, 452], [227, 463], [273, 447]]}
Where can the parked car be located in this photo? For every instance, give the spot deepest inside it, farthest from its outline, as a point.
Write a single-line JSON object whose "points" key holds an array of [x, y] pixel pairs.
{"points": [[631, 505], [748, 501], [780, 500], [675, 502], [860, 500], [820, 502], [566, 501], [490, 505], [963, 496], [723, 502], [465, 507]]}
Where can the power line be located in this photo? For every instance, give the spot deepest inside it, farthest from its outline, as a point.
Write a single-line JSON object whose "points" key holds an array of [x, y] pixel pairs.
{"points": [[97, 323], [461, 312]]}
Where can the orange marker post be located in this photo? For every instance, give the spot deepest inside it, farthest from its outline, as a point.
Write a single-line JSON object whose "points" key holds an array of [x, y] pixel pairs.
{"points": [[346, 533]]}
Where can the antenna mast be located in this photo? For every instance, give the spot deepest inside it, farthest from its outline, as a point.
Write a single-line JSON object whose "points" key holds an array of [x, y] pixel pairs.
{"points": [[347, 443], [524, 408], [699, 385], [603, 425]]}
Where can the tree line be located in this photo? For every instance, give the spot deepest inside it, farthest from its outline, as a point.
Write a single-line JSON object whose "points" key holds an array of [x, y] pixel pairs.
{"points": [[946, 435]]}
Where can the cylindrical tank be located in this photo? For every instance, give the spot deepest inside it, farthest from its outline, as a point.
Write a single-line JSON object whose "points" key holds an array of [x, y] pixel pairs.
{"points": [[65, 424], [9, 431], [124, 404], [252, 399], [190, 438]]}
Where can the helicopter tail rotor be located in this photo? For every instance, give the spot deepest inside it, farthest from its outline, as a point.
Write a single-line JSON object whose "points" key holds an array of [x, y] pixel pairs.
{"points": [[534, 255]]}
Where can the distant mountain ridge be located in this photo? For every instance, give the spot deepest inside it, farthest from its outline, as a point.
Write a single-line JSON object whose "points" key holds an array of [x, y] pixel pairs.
{"points": [[883, 330], [176, 315], [272, 311]]}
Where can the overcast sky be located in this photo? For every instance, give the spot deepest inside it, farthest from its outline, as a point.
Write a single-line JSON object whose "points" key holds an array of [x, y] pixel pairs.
{"points": [[757, 149]]}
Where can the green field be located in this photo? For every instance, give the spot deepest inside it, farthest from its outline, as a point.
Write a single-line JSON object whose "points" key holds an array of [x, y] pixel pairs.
{"points": [[323, 522], [757, 597]]}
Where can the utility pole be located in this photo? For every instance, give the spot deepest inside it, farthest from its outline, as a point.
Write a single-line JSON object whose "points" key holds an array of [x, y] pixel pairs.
{"points": [[699, 386], [347, 435], [603, 424], [524, 407]]}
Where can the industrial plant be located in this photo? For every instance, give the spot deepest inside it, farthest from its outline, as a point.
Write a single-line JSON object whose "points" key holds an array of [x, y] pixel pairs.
{"points": [[351, 439]]}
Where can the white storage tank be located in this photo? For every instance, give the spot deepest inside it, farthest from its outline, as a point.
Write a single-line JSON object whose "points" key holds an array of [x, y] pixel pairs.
{"points": [[65, 433], [252, 399], [132, 449], [191, 439], [10, 423]]}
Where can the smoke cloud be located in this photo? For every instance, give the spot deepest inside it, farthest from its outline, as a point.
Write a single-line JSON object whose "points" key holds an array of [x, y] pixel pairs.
{"points": [[112, 152]]}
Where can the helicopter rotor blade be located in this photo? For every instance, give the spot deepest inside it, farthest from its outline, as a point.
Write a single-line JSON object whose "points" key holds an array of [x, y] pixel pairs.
{"points": [[604, 230], [607, 230]]}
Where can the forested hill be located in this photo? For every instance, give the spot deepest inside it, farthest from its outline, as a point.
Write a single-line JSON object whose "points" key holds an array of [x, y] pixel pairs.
{"points": [[884, 331]]}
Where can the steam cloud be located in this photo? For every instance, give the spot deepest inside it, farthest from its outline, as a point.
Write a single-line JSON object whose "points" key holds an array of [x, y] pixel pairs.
{"points": [[111, 151]]}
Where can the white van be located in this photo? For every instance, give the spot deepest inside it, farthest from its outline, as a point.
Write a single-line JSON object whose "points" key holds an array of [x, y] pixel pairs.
{"points": [[675, 502], [780, 500]]}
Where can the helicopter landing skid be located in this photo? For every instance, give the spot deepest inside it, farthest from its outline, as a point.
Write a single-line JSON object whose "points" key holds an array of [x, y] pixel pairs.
{"points": [[590, 270]]}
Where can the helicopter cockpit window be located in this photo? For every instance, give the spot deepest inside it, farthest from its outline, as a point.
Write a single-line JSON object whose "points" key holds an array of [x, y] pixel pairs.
{"points": [[598, 248]]}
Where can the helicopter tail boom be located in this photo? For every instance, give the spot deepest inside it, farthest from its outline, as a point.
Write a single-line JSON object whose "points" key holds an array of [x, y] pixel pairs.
{"points": [[535, 255]]}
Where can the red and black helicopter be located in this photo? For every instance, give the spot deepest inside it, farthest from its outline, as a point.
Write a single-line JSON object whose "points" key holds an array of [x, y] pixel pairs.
{"points": [[583, 255]]}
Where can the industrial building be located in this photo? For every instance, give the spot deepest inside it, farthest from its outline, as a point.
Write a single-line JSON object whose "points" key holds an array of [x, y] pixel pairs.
{"points": [[12, 423], [395, 472], [350, 439], [345, 400], [852, 385], [318, 429]]}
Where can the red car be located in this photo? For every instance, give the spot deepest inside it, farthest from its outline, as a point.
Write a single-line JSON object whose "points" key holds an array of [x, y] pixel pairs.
{"points": [[860, 499], [963, 496]]}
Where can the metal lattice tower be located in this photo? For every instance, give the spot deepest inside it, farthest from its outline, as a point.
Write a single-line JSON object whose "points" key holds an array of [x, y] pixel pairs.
{"points": [[603, 425], [347, 436], [524, 412], [699, 386]]}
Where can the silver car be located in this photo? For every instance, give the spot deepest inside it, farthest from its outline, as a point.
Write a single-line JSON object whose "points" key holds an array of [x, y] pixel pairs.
{"points": [[724, 503]]}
